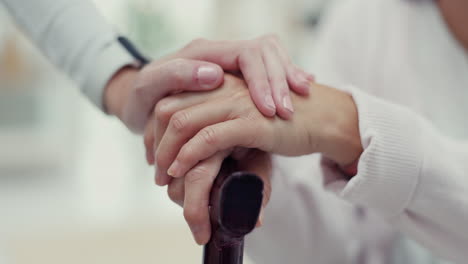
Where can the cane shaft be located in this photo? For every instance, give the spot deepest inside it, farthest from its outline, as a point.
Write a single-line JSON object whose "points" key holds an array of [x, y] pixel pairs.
{"points": [[235, 203]]}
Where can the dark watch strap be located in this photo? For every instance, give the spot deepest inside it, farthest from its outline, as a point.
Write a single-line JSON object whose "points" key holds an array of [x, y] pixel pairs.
{"points": [[128, 45]]}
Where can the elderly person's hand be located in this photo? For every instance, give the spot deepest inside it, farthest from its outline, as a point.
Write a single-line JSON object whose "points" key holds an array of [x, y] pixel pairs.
{"points": [[192, 192], [191, 129], [132, 94]]}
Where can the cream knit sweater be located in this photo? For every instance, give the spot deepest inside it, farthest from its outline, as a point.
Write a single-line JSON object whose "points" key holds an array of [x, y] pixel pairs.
{"points": [[409, 78]]}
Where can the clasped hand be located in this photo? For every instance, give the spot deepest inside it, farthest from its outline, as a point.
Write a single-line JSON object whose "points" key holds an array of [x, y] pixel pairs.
{"points": [[191, 133]]}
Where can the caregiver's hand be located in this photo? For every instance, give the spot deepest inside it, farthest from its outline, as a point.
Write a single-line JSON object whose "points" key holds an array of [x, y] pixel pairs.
{"points": [[206, 123], [132, 94], [265, 65]]}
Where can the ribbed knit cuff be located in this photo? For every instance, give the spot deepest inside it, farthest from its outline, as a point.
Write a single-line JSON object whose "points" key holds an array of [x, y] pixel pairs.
{"points": [[110, 59], [388, 170]]}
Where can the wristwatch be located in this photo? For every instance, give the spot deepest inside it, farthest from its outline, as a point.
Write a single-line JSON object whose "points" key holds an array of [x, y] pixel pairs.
{"points": [[140, 59]]}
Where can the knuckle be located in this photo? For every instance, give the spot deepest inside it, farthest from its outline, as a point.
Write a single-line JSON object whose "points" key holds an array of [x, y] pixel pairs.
{"points": [[177, 62], [197, 175], [277, 80], [163, 110], [180, 120], [193, 214], [209, 136], [247, 56], [176, 75], [186, 154], [248, 51]]}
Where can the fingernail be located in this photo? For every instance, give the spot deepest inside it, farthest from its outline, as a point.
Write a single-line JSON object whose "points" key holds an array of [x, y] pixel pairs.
{"points": [[173, 169], [269, 102], [207, 76], [288, 104]]}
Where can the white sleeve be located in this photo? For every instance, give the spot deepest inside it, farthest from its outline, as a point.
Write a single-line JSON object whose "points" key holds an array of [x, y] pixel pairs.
{"points": [[75, 38], [412, 175], [304, 222]]}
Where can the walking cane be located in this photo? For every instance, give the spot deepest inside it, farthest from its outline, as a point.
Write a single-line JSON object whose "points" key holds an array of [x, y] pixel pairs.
{"points": [[235, 203]]}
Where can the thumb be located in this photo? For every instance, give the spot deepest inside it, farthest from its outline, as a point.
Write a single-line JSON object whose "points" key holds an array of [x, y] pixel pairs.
{"points": [[157, 80]]}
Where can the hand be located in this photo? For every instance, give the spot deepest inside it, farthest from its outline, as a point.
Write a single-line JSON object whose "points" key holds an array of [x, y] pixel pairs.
{"points": [[265, 66], [131, 94], [202, 124], [192, 191]]}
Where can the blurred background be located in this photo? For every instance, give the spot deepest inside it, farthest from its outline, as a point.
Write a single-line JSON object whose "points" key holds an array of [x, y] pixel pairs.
{"points": [[74, 185]]}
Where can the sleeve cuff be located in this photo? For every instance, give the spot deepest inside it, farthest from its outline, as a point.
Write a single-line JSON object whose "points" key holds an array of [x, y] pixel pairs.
{"points": [[111, 58], [389, 168]]}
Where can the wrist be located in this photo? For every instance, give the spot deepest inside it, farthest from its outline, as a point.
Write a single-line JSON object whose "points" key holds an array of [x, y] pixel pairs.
{"points": [[339, 135], [117, 90]]}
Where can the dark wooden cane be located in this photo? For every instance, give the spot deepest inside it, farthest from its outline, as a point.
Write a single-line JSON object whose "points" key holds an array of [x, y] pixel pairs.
{"points": [[235, 203]]}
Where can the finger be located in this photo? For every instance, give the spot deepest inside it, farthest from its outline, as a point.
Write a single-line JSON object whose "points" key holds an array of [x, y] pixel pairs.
{"points": [[239, 153], [163, 112], [148, 140], [159, 126], [304, 89], [215, 138], [176, 191], [297, 79], [237, 55], [310, 77], [278, 82], [223, 53], [253, 69], [198, 182], [158, 80], [185, 124], [161, 177]]}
